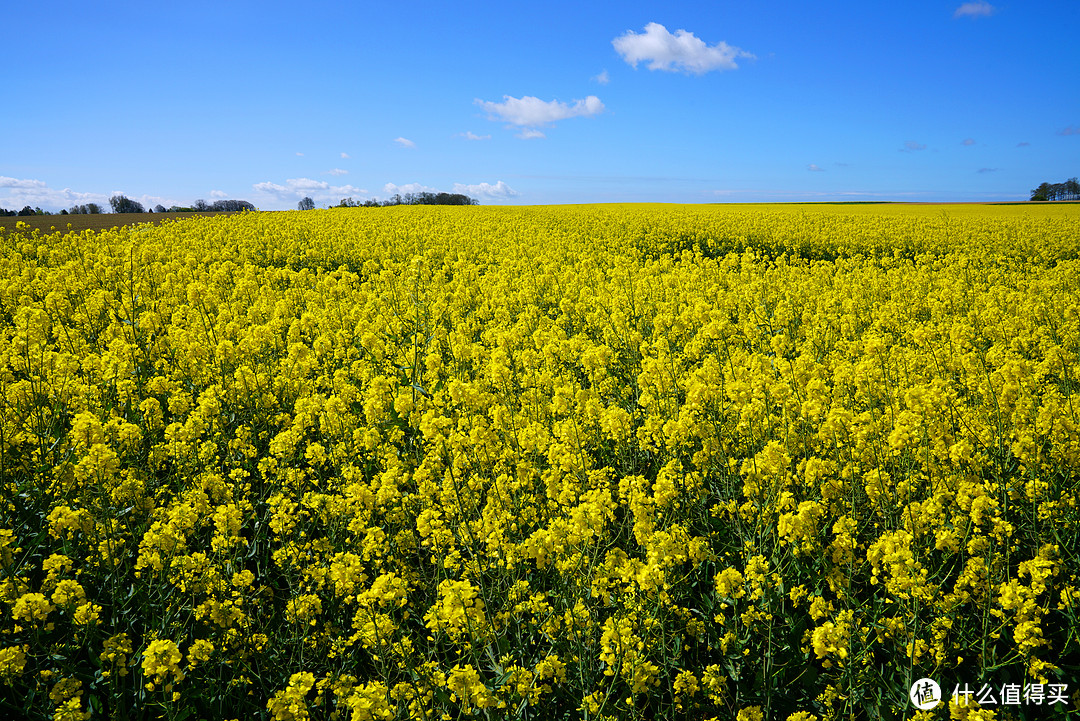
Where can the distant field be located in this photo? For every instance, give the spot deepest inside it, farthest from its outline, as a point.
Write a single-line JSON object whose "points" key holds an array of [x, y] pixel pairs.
{"points": [[54, 223]]}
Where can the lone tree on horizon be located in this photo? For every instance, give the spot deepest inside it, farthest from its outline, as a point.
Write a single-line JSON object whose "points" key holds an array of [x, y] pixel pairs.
{"points": [[124, 204], [306, 204]]}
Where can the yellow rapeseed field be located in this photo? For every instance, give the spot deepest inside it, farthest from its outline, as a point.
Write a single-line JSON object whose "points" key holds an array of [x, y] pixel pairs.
{"points": [[592, 462]]}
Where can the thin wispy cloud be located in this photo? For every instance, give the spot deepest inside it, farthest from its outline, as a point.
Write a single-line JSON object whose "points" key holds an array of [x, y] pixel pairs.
{"points": [[219, 194], [299, 155], [602, 77], [405, 142], [986, 170], [470, 135], [1023, 144], [337, 171], [748, 194], [345, 156], [912, 147], [1070, 131], [815, 168], [968, 141], [977, 9], [530, 134], [498, 191], [679, 52]]}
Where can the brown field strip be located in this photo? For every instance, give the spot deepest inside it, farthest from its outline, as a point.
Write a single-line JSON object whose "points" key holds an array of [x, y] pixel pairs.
{"points": [[101, 221]]}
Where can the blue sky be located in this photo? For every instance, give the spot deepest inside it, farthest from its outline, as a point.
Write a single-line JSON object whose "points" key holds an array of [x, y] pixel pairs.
{"points": [[516, 103]]}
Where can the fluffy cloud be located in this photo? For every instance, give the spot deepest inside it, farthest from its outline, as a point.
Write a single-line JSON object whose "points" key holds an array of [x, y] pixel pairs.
{"points": [[603, 78], [391, 188], [979, 8], [296, 188], [499, 191], [405, 142], [6, 182], [530, 111], [682, 51], [487, 191], [16, 193]]}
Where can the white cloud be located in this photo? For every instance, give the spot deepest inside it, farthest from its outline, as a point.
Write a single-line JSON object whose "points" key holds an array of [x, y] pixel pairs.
{"points": [[391, 188], [533, 111], [307, 184], [968, 141], [299, 155], [979, 8], [150, 201], [499, 191], [529, 134], [6, 182], [405, 142], [682, 51], [603, 78], [911, 146], [470, 135], [815, 167], [16, 193], [345, 156], [337, 171], [296, 188], [272, 188]]}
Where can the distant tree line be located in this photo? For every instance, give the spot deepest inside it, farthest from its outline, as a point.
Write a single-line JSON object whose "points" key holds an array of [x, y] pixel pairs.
{"points": [[123, 204], [201, 206], [425, 198], [84, 209], [1069, 190], [27, 210]]}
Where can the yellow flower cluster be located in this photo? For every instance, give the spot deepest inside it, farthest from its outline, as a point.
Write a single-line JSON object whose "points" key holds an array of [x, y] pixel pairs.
{"points": [[161, 664], [615, 461]]}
